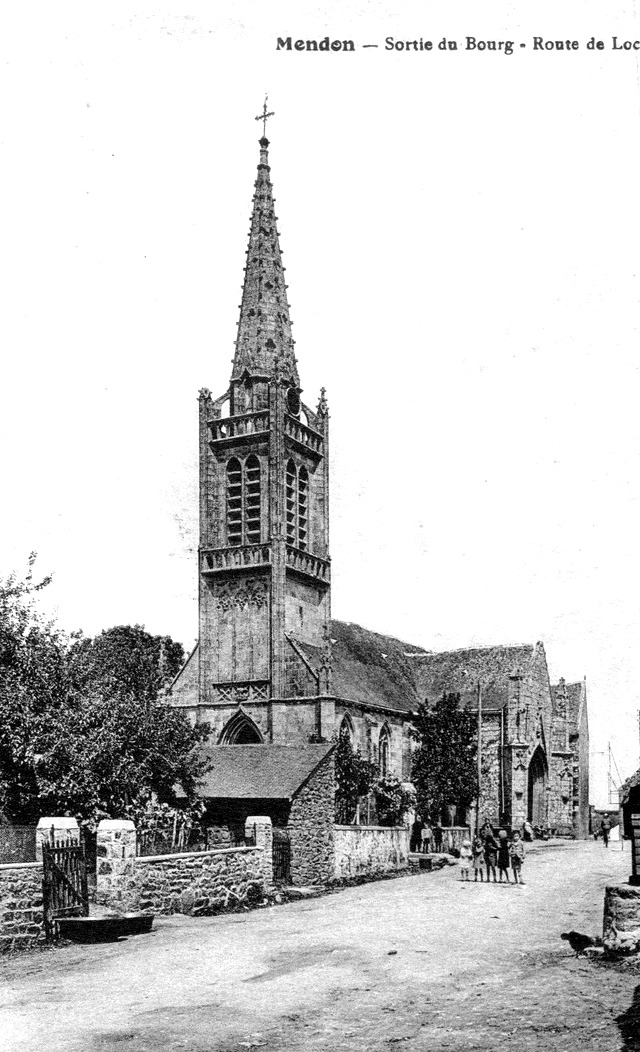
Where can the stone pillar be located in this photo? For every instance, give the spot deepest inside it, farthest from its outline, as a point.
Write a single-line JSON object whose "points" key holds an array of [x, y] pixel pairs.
{"points": [[259, 826], [64, 829], [116, 854], [621, 926]]}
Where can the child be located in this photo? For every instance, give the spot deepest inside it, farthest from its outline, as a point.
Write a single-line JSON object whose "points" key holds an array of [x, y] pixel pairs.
{"points": [[503, 856], [426, 838], [478, 858], [491, 854], [466, 855], [517, 857]]}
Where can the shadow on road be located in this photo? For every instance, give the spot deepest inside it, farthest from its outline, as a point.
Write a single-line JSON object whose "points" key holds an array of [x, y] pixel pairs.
{"points": [[629, 1024]]}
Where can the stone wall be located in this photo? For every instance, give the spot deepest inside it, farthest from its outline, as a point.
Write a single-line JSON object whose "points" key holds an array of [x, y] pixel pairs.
{"points": [[369, 851], [311, 827], [491, 767], [621, 923], [21, 917], [196, 883]]}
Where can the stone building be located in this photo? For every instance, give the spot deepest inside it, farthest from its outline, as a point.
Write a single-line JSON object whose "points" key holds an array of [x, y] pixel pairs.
{"points": [[271, 667]]}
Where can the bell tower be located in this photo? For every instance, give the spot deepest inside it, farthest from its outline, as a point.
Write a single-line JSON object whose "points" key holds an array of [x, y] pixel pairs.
{"points": [[264, 567]]}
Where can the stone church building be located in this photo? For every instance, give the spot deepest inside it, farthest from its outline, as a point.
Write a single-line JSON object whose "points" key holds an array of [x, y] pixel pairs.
{"points": [[271, 667]]}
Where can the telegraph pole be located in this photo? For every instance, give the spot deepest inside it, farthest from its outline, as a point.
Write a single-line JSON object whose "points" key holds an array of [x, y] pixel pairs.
{"points": [[479, 755]]}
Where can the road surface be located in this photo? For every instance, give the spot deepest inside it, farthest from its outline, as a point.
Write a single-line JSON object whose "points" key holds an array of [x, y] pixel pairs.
{"points": [[424, 962]]}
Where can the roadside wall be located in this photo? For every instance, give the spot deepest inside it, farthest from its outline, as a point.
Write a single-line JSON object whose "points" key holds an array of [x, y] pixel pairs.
{"points": [[369, 851], [21, 917], [194, 883]]}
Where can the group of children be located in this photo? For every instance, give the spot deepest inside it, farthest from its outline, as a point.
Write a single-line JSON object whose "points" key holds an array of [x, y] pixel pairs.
{"points": [[495, 852]]}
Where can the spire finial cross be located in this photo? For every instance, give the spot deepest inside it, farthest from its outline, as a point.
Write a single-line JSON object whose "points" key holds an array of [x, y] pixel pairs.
{"points": [[264, 116]]}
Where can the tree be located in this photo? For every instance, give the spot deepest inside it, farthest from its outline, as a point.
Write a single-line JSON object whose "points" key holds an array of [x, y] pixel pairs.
{"points": [[393, 800], [444, 765], [84, 727], [354, 778]]}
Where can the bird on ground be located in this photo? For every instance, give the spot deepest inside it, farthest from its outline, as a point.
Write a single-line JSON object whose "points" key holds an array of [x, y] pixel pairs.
{"points": [[579, 943]]}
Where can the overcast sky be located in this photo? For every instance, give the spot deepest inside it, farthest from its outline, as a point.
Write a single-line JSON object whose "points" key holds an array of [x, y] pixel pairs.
{"points": [[461, 233]]}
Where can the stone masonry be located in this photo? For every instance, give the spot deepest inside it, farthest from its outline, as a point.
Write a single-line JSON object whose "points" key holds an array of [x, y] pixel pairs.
{"points": [[311, 827], [369, 851], [195, 883], [21, 917]]}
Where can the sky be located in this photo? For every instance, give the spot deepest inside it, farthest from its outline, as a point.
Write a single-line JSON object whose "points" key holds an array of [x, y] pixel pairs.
{"points": [[460, 231]]}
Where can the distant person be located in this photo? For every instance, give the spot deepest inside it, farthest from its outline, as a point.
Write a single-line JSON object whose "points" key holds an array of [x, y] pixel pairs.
{"points": [[478, 859], [527, 831], [486, 829], [425, 837], [491, 846], [466, 855], [504, 858], [416, 834], [605, 828], [516, 851], [437, 837]]}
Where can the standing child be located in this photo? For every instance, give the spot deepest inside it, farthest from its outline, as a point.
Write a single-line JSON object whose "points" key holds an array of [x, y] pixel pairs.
{"points": [[426, 838], [517, 857], [478, 858], [466, 855], [503, 856], [491, 854]]}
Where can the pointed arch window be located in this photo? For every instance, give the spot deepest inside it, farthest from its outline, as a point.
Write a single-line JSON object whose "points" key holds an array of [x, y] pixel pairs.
{"points": [[384, 750], [243, 501], [297, 505]]}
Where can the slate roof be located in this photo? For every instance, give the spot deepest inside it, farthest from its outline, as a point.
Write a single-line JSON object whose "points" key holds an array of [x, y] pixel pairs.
{"points": [[260, 772], [369, 668], [459, 671]]}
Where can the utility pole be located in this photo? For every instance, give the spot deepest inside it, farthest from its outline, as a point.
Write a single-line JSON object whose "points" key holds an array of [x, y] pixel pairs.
{"points": [[479, 755]]}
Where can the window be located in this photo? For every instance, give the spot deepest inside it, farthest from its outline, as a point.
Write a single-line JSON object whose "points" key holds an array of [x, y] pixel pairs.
{"points": [[297, 505], [243, 501], [383, 751]]}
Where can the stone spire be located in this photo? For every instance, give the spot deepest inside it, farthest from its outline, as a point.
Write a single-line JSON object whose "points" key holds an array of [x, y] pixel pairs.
{"points": [[264, 346]]}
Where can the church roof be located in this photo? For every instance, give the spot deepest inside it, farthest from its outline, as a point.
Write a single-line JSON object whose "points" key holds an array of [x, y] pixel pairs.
{"points": [[368, 668], [264, 343], [459, 671], [260, 772]]}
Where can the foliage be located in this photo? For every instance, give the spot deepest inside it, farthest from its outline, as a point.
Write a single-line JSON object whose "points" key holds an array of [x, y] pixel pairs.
{"points": [[444, 765], [393, 800], [354, 778], [83, 727]]}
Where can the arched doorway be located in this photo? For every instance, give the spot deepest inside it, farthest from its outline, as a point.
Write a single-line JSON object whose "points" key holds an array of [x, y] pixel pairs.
{"points": [[536, 789], [240, 730]]}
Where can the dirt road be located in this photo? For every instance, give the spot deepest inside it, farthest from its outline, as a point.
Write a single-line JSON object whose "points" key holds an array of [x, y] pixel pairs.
{"points": [[420, 963]]}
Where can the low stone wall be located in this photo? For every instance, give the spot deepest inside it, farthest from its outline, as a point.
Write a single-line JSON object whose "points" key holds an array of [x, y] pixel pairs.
{"points": [[369, 851], [452, 837], [21, 917], [196, 883]]}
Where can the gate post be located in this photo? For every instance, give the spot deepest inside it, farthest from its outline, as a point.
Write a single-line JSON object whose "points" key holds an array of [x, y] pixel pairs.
{"points": [[116, 854], [63, 829], [259, 826]]}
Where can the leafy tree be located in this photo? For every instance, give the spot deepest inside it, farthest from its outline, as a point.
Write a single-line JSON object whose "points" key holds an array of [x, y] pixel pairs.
{"points": [[354, 779], [444, 765], [83, 724], [393, 800]]}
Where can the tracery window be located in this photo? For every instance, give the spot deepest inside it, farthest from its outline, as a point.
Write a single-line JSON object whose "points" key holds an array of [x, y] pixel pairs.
{"points": [[243, 501], [384, 749], [297, 505]]}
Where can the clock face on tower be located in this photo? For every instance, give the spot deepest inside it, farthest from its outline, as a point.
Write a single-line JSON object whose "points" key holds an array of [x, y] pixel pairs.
{"points": [[293, 401]]}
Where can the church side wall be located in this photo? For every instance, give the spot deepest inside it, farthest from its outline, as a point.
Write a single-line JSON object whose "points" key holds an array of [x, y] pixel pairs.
{"points": [[581, 756], [367, 726], [490, 786]]}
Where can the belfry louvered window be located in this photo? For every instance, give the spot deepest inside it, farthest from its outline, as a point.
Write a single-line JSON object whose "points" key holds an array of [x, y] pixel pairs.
{"points": [[297, 505], [243, 501]]}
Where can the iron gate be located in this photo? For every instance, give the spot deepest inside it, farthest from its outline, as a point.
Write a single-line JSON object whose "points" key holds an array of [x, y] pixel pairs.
{"points": [[64, 889], [281, 856]]}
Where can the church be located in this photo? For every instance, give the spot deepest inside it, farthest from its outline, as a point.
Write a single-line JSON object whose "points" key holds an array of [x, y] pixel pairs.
{"points": [[275, 677]]}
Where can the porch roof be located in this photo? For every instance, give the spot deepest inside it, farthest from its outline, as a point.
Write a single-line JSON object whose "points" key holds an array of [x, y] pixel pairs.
{"points": [[260, 772]]}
